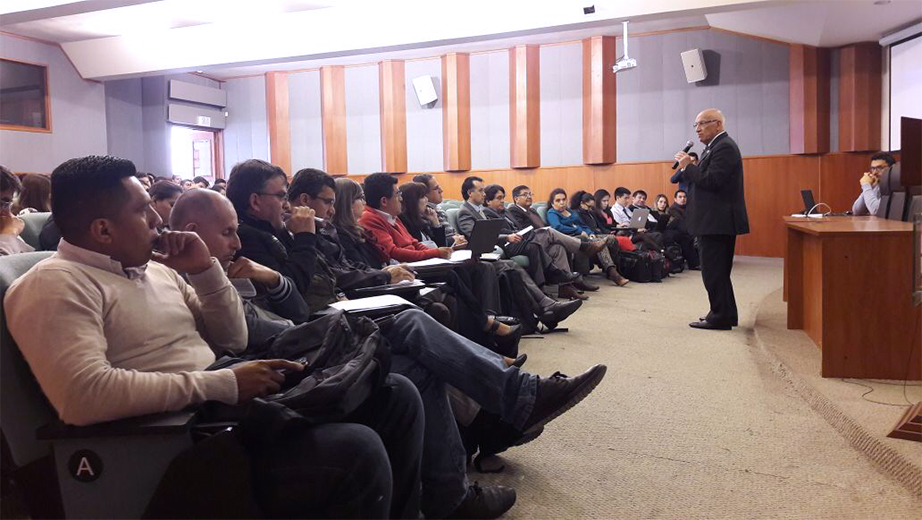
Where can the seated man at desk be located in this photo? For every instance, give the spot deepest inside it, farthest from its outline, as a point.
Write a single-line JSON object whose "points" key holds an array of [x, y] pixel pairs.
{"points": [[869, 200]]}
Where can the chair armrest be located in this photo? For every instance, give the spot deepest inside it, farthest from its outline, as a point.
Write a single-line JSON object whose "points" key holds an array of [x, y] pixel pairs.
{"points": [[154, 424]]}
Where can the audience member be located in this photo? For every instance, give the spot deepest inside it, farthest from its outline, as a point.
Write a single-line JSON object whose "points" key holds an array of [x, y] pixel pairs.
{"points": [[583, 204], [176, 179], [602, 209], [200, 182], [541, 267], [163, 195], [357, 243], [562, 219], [220, 181], [145, 179], [869, 201], [435, 198], [187, 184], [677, 177], [219, 188], [674, 231], [420, 219], [10, 225], [35, 195], [382, 199], [619, 209], [132, 338]]}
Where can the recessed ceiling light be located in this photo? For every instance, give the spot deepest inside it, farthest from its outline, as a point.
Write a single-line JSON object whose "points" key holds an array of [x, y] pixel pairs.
{"points": [[881, 2]]}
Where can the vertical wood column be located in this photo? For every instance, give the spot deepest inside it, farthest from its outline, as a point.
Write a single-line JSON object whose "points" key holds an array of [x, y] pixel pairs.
{"points": [[809, 99], [333, 116], [524, 106], [392, 83], [859, 97], [277, 120], [599, 101], [456, 111]]}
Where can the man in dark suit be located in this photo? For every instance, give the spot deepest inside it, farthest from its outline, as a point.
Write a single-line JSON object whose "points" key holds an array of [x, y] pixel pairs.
{"points": [[716, 214]]}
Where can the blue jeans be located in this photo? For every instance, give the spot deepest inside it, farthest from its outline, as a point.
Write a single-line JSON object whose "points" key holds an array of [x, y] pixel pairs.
{"points": [[432, 356]]}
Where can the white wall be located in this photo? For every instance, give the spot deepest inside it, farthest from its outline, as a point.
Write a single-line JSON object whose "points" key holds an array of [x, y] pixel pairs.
{"points": [[363, 119], [78, 113], [561, 72], [424, 124], [490, 110], [304, 119], [247, 133]]}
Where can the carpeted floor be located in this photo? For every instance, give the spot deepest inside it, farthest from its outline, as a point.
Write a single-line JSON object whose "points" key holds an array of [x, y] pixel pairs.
{"points": [[687, 423]]}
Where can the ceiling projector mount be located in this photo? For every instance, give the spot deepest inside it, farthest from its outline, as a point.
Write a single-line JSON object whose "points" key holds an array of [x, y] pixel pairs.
{"points": [[625, 62]]}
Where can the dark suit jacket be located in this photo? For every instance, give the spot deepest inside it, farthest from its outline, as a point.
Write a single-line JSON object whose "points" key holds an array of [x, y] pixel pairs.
{"points": [[716, 201], [522, 219], [467, 215]]}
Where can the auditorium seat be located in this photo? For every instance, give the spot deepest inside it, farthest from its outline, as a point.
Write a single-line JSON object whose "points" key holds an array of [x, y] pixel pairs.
{"points": [[915, 208], [452, 214], [884, 206], [542, 212], [897, 205], [120, 462], [34, 223]]}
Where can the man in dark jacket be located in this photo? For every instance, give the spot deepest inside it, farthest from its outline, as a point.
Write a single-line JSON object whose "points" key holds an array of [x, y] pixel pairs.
{"points": [[716, 214]]}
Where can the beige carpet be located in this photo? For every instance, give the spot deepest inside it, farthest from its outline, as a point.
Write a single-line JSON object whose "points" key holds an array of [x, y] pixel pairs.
{"points": [[687, 423]]}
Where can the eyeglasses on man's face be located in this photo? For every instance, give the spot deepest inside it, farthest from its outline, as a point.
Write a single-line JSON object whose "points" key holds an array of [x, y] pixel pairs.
{"points": [[328, 202], [526, 194], [281, 195], [879, 168], [702, 123]]}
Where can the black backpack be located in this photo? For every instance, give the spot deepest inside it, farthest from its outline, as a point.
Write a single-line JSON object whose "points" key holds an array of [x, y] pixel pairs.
{"points": [[674, 259], [346, 358], [642, 266]]}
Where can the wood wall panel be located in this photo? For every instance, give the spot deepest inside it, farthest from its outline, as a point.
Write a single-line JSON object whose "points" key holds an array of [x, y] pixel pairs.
{"points": [[277, 120], [599, 101], [525, 106], [860, 80], [809, 99], [456, 111], [392, 86], [333, 116]]}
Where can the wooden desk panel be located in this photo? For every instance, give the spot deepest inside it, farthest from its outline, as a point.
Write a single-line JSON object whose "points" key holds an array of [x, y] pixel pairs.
{"points": [[848, 286]]}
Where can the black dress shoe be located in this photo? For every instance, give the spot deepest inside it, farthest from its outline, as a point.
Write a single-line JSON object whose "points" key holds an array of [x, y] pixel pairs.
{"points": [[507, 320], [559, 393], [485, 502], [708, 325], [557, 312], [508, 345], [519, 361], [569, 292], [559, 277], [583, 286], [734, 323]]}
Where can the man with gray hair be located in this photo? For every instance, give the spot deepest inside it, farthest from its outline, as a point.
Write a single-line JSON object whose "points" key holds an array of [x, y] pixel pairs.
{"points": [[716, 214]]}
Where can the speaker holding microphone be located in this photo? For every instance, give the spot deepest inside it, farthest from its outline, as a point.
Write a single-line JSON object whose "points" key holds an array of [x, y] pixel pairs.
{"points": [[688, 146]]}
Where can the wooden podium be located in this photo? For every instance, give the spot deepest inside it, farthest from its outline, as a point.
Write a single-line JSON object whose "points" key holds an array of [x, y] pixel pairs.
{"points": [[848, 284]]}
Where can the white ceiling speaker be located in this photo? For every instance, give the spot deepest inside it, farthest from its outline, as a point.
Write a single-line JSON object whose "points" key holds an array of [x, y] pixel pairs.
{"points": [[625, 62], [425, 91], [695, 70]]}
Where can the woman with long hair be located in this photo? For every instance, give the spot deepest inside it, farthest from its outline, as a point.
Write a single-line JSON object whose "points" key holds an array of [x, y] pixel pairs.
{"points": [[35, 196], [357, 244], [419, 218], [561, 218]]}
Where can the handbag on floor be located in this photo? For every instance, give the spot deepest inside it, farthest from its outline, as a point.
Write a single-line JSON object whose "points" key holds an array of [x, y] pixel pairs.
{"points": [[642, 266]]}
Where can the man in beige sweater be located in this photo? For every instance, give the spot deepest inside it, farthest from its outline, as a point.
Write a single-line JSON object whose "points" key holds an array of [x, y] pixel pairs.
{"points": [[109, 334]]}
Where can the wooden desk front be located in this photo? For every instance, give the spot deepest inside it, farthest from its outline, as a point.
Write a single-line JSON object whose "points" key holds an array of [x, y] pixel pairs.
{"points": [[848, 284]]}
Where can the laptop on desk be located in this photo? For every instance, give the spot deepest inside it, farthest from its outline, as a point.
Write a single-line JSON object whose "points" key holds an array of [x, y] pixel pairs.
{"points": [[639, 218], [809, 202], [484, 236]]}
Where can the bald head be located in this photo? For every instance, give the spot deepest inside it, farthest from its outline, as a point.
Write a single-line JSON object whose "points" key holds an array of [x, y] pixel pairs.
{"points": [[195, 206], [708, 124], [212, 217]]}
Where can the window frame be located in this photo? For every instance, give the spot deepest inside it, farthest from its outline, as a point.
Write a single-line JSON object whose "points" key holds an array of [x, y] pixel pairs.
{"points": [[47, 129]]}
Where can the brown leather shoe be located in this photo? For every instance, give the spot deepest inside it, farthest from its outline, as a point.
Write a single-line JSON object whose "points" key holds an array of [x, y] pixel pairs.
{"points": [[616, 277], [570, 292]]}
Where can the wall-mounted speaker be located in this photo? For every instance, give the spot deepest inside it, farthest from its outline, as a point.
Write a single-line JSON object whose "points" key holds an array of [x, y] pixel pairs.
{"points": [[693, 62], [425, 91]]}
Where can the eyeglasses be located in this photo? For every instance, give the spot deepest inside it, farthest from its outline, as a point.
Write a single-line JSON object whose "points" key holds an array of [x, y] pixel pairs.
{"points": [[526, 194], [280, 196], [878, 168], [327, 201], [702, 123]]}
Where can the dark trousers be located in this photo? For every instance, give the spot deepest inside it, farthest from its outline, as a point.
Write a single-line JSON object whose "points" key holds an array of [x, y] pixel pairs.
{"points": [[716, 264], [368, 466]]}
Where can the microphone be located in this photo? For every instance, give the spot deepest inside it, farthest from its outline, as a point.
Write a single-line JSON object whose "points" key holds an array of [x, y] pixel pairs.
{"points": [[688, 146]]}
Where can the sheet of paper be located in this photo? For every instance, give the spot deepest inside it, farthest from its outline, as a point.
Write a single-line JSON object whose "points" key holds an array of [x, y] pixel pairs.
{"points": [[490, 257], [429, 263], [372, 302], [461, 255], [524, 231]]}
